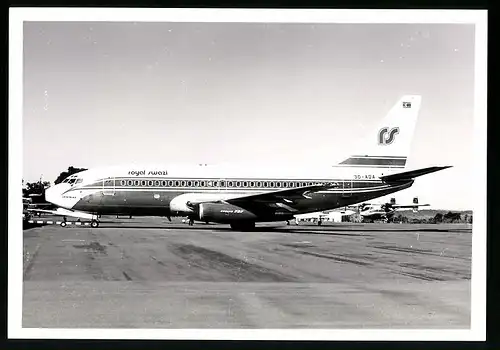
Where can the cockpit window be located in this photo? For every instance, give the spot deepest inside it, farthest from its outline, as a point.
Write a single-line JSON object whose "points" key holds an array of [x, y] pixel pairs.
{"points": [[72, 179]]}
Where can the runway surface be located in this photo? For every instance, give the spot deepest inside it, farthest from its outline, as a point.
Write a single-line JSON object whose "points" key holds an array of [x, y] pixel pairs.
{"points": [[149, 273]]}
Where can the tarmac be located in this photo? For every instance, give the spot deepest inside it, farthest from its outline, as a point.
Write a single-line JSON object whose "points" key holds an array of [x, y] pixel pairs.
{"points": [[151, 273]]}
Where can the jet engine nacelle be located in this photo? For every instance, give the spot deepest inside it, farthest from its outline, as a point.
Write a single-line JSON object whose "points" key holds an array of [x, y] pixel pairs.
{"points": [[224, 213], [179, 204], [187, 203]]}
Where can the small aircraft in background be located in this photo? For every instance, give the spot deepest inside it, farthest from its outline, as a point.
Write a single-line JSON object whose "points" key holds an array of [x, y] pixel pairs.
{"points": [[385, 211]]}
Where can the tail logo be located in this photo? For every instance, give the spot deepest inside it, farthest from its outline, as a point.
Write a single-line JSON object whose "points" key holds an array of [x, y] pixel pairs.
{"points": [[386, 136]]}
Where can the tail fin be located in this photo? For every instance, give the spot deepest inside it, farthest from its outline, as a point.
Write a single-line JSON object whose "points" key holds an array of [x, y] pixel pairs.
{"points": [[389, 145]]}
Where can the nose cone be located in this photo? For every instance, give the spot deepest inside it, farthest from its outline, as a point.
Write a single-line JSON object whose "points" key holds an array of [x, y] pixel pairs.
{"points": [[51, 195], [54, 195]]}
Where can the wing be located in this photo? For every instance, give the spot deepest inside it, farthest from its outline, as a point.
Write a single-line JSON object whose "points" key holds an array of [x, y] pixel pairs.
{"points": [[64, 212], [42, 211], [409, 206], [284, 199]]}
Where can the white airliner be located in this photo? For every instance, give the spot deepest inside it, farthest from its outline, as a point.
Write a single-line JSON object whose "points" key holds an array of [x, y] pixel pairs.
{"points": [[243, 196]]}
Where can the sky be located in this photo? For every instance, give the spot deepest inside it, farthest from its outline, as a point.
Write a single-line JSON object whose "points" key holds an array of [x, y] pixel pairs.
{"points": [[103, 93]]}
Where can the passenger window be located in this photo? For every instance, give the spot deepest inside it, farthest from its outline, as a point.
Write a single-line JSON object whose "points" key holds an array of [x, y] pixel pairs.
{"points": [[230, 184], [170, 182], [143, 183], [176, 183], [150, 183], [157, 183], [163, 183], [129, 182], [122, 182], [271, 184], [223, 184], [136, 183], [189, 183], [196, 183], [203, 184], [183, 183], [265, 183], [238, 183]]}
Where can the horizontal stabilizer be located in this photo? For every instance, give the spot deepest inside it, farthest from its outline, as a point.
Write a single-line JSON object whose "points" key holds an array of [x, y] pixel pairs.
{"points": [[408, 175]]}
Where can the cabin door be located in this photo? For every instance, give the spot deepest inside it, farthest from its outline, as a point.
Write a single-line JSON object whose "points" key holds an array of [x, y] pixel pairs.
{"points": [[108, 186], [346, 188]]}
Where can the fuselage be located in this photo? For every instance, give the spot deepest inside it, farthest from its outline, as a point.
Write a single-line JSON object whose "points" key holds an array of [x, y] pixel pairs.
{"points": [[166, 190]]}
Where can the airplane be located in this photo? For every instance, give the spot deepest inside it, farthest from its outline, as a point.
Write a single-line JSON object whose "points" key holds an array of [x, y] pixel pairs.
{"points": [[241, 196], [385, 211]]}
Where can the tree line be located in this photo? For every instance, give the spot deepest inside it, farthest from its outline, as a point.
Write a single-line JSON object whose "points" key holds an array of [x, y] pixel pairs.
{"points": [[439, 218]]}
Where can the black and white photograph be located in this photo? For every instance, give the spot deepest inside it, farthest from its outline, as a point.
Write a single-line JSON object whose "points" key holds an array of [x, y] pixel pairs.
{"points": [[247, 174]]}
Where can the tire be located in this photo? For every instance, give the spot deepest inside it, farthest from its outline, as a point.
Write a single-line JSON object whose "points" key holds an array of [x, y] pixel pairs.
{"points": [[94, 224]]}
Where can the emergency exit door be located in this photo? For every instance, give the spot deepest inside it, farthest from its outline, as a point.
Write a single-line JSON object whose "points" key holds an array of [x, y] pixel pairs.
{"points": [[108, 186]]}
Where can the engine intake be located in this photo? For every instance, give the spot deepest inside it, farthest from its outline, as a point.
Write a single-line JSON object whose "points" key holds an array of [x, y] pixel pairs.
{"points": [[224, 213]]}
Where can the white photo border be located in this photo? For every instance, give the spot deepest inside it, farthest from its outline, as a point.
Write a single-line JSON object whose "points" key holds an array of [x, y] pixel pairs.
{"points": [[17, 16]]}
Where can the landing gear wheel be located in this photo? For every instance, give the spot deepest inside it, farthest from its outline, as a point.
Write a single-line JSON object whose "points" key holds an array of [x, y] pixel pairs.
{"points": [[63, 224], [94, 224], [319, 223]]}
